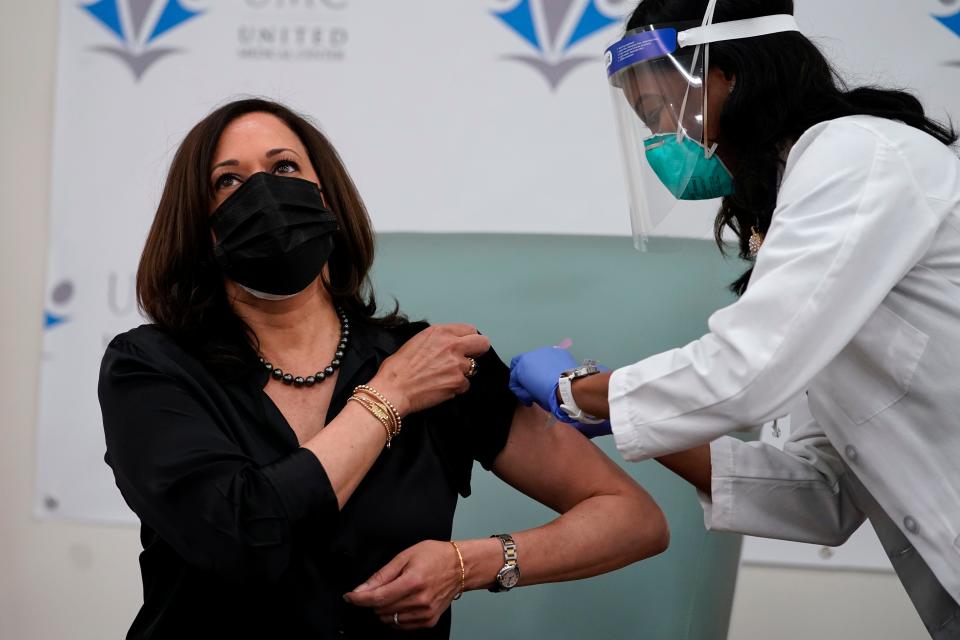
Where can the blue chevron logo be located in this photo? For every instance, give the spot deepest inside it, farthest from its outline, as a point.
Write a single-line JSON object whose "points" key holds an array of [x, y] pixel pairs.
{"points": [[136, 24], [950, 22], [552, 28]]}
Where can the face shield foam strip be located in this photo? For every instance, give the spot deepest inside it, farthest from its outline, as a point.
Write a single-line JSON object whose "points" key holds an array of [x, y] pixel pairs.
{"points": [[658, 43]]}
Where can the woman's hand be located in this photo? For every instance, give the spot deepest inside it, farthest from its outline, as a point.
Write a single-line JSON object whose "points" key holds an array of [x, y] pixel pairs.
{"points": [[418, 586], [431, 367], [534, 378]]}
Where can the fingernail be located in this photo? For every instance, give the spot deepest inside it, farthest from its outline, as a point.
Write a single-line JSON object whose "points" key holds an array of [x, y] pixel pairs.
{"points": [[346, 598]]}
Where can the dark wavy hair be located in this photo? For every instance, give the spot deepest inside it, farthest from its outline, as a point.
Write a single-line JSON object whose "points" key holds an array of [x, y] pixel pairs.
{"points": [[179, 285], [784, 86]]}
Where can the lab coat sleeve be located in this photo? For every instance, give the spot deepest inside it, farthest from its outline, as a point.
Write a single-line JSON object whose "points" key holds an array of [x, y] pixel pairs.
{"points": [[849, 224], [794, 494]]}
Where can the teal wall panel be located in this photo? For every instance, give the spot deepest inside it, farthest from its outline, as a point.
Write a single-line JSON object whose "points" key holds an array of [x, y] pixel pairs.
{"points": [[617, 305]]}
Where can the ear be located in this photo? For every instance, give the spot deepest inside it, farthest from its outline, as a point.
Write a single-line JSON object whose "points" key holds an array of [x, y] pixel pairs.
{"points": [[720, 82]]}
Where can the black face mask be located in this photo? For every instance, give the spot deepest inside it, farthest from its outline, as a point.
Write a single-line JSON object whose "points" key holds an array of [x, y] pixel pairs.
{"points": [[273, 234]]}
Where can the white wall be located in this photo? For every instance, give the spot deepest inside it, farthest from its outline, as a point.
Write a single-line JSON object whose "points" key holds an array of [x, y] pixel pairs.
{"points": [[773, 603], [56, 580], [60, 580]]}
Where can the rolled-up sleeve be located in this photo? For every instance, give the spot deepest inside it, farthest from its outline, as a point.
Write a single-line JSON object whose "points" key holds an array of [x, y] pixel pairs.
{"points": [[849, 224], [184, 476], [794, 494]]}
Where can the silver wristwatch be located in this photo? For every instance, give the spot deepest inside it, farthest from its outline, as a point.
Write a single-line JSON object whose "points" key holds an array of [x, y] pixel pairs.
{"points": [[509, 574], [565, 388]]}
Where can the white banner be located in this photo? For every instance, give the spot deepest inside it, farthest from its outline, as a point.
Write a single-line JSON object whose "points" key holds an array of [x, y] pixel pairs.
{"points": [[483, 116]]}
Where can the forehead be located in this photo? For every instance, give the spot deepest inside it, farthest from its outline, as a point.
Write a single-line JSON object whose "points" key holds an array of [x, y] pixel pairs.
{"points": [[254, 133], [650, 81]]}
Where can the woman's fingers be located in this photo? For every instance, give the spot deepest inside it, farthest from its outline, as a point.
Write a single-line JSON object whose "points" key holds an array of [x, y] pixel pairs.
{"points": [[472, 345], [386, 596], [371, 592], [421, 593], [457, 329], [408, 620], [432, 367]]}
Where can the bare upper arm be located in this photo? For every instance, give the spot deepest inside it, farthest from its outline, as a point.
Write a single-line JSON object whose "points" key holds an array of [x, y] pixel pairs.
{"points": [[556, 465]]}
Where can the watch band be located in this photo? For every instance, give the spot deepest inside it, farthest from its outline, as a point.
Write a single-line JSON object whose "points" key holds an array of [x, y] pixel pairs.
{"points": [[511, 564], [565, 388]]}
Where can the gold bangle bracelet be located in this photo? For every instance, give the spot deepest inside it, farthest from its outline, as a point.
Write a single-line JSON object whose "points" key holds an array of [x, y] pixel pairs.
{"points": [[381, 412], [377, 413], [376, 395], [379, 396], [382, 408], [463, 571]]}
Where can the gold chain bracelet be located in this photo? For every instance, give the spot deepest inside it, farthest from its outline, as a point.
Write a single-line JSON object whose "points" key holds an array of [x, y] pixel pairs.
{"points": [[367, 389], [378, 411], [463, 571]]}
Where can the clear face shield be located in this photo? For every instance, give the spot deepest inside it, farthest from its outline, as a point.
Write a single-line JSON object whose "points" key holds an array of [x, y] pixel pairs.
{"points": [[658, 80]]}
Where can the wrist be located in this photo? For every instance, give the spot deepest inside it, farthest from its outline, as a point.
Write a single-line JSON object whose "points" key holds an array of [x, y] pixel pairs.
{"points": [[482, 560], [590, 394]]}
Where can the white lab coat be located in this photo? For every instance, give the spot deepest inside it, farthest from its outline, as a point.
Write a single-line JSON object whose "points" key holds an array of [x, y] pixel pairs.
{"points": [[855, 299]]}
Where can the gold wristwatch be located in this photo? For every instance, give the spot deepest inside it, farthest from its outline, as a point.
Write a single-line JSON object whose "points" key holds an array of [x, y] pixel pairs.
{"points": [[509, 574]]}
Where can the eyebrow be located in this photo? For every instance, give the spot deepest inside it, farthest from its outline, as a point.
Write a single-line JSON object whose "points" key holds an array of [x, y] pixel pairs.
{"points": [[269, 154], [225, 163], [274, 152]]}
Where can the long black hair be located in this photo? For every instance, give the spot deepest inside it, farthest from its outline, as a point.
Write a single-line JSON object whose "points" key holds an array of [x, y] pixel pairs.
{"points": [[784, 86]]}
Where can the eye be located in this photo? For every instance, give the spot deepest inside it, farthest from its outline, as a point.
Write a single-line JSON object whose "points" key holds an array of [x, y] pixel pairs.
{"points": [[226, 181], [286, 166]]}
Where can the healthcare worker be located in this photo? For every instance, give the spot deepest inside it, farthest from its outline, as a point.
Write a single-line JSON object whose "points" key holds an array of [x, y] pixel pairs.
{"points": [[848, 204]]}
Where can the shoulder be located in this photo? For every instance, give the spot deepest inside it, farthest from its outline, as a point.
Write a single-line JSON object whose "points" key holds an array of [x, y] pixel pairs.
{"points": [[852, 139], [146, 336], [146, 347], [388, 338], [145, 340], [868, 145], [862, 157]]}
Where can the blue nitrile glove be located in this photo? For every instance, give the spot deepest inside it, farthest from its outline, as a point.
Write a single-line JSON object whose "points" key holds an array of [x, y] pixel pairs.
{"points": [[534, 376]]}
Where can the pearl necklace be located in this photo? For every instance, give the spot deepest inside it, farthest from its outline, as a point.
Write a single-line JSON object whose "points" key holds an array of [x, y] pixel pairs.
{"points": [[327, 372]]}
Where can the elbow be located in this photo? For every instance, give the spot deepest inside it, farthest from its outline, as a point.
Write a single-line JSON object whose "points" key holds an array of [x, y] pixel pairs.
{"points": [[246, 567], [836, 537], [651, 533], [659, 535], [238, 561]]}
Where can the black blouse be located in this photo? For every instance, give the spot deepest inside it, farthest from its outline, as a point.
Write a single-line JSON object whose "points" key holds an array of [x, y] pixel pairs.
{"points": [[241, 532]]}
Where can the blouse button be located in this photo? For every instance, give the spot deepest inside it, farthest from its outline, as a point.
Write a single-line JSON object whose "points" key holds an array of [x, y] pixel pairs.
{"points": [[851, 452], [910, 524]]}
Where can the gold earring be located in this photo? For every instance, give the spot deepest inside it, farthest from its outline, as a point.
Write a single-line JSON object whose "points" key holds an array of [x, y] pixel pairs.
{"points": [[755, 242]]}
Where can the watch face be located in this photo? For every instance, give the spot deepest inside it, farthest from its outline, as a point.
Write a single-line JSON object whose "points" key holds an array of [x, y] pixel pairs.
{"points": [[509, 577]]}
